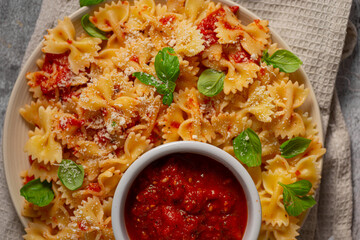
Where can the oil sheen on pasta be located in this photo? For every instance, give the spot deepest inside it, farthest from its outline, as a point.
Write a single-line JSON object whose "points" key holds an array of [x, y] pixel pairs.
{"points": [[186, 196]]}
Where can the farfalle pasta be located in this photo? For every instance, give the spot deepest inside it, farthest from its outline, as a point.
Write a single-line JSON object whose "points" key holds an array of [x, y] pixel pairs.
{"points": [[89, 108]]}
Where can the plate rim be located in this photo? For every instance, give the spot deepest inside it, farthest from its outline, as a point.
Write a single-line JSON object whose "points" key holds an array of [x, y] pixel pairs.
{"points": [[76, 16]]}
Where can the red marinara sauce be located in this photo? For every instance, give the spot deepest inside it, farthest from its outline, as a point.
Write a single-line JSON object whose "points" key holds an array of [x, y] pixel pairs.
{"points": [[186, 196]]}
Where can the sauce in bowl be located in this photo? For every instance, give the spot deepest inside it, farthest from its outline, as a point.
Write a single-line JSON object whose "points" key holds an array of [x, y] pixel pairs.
{"points": [[186, 196]]}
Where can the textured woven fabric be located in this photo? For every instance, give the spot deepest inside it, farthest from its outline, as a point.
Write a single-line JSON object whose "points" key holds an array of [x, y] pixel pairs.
{"points": [[315, 30]]}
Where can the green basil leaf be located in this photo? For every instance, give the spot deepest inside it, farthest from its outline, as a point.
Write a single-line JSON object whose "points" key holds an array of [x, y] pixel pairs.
{"points": [[168, 99], [211, 82], [301, 187], [70, 174], [285, 60], [294, 147], [167, 65], [163, 89], [147, 79], [37, 192], [295, 199], [247, 148], [90, 2], [91, 29]]}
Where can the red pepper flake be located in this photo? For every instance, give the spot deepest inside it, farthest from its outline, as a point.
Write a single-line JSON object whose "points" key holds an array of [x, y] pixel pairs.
{"points": [[54, 219], [69, 122], [42, 167], [234, 9], [134, 58], [31, 161], [257, 22], [82, 225], [104, 112], [94, 187], [297, 173], [69, 41], [94, 19], [107, 23], [175, 124], [28, 179], [165, 20], [241, 56], [262, 71]]}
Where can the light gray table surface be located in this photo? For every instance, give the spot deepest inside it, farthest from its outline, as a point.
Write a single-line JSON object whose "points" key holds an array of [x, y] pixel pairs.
{"points": [[17, 22]]}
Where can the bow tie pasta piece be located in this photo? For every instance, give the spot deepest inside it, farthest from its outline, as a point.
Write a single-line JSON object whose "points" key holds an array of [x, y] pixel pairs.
{"points": [[108, 181], [277, 163], [46, 172], [255, 37], [269, 143], [134, 146], [239, 76], [228, 27], [56, 210], [310, 126], [171, 122], [270, 232], [72, 199], [227, 126], [140, 14], [288, 96], [273, 210], [31, 112], [259, 103], [98, 95], [290, 127], [41, 231], [62, 39], [268, 75], [42, 144], [188, 39], [194, 7], [111, 17], [91, 217], [309, 169]]}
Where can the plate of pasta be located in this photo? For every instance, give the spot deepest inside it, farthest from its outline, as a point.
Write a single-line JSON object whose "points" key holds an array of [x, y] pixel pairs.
{"points": [[119, 78]]}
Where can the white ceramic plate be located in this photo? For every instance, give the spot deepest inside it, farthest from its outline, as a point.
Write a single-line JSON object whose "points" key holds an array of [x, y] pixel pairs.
{"points": [[16, 129]]}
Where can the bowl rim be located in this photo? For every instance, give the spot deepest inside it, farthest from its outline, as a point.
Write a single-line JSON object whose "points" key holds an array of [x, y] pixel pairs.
{"points": [[251, 194], [76, 16]]}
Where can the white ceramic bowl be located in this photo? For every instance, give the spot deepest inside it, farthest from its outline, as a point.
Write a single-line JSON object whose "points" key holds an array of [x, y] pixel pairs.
{"points": [[15, 132], [252, 197]]}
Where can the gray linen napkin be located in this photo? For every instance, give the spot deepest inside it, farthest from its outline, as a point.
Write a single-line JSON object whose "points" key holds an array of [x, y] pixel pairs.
{"points": [[316, 31]]}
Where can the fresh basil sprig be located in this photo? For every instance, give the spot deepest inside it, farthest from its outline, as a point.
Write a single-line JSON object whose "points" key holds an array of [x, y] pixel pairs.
{"points": [[37, 192], [167, 69], [295, 197], [247, 148], [71, 174], [90, 2], [294, 147], [211, 82], [285, 60], [91, 29]]}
